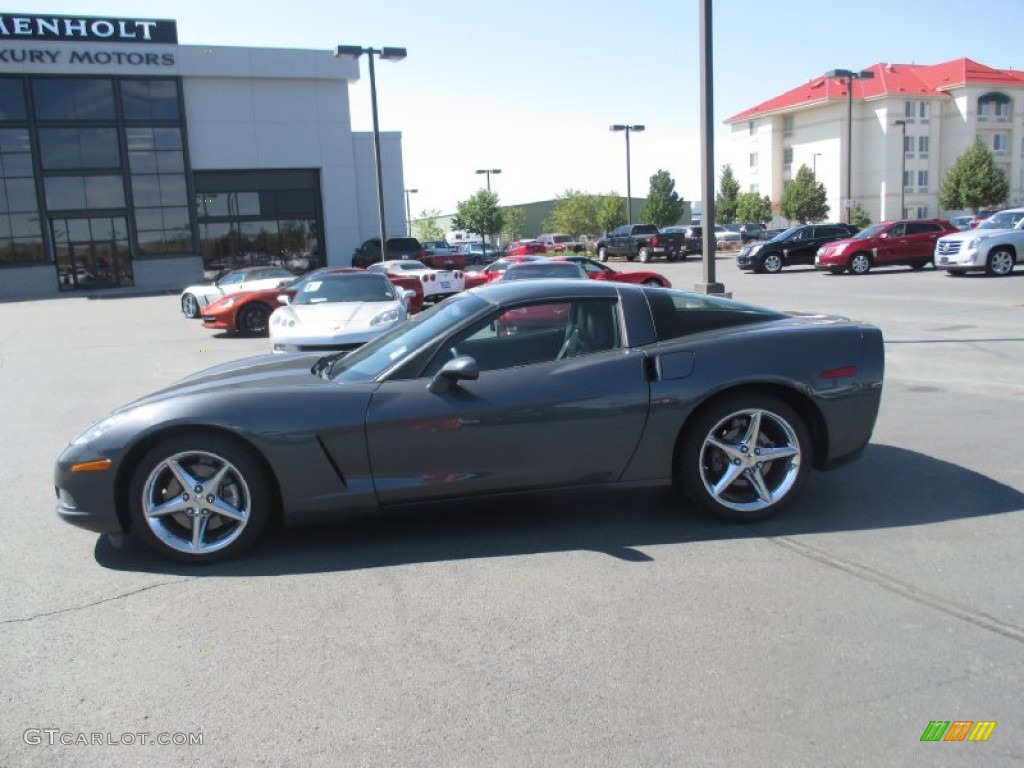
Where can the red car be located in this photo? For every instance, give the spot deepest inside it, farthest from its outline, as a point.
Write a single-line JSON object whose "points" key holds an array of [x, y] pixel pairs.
{"points": [[495, 270], [248, 312], [597, 271], [526, 248], [890, 243]]}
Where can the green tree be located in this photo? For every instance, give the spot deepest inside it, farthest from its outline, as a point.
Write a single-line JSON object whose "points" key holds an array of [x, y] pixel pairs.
{"points": [[751, 206], [859, 217], [663, 205], [575, 213], [515, 224], [480, 214], [426, 227], [804, 198], [725, 200], [974, 181], [611, 213]]}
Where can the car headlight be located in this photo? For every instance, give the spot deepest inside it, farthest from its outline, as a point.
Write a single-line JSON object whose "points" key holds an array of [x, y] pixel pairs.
{"points": [[227, 303], [973, 243], [387, 316], [754, 249], [97, 430], [282, 321]]}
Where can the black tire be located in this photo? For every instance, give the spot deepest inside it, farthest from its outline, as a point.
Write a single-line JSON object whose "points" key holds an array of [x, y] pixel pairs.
{"points": [[860, 264], [718, 443], [955, 272], [772, 263], [644, 255], [917, 266], [652, 282], [999, 262], [190, 306], [232, 515], [253, 320], [837, 270], [602, 254]]}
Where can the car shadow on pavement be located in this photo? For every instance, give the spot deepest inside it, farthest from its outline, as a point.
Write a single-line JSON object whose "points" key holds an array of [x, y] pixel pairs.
{"points": [[889, 487]]}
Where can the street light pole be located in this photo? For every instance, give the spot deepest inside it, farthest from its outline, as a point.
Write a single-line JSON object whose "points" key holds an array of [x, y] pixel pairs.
{"points": [[388, 54], [814, 160], [849, 76], [629, 192], [408, 212], [903, 167], [495, 171]]}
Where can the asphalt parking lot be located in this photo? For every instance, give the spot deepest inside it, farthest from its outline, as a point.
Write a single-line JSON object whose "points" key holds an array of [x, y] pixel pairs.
{"points": [[597, 629]]}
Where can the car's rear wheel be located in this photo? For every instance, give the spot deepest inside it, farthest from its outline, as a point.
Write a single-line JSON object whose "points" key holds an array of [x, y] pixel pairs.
{"points": [[653, 282], [860, 264], [999, 262], [190, 306], [253, 320], [199, 498], [644, 255], [744, 456], [772, 263], [917, 266], [602, 254]]}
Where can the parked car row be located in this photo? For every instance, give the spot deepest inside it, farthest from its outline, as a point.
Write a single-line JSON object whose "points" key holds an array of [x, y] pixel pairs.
{"points": [[994, 246]]}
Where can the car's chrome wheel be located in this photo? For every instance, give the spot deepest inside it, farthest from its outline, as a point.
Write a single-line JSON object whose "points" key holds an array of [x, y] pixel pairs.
{"points": [[190, 306], [253, 320], [772, 263], [645, 255], [860, 264], [744, 457], [652, 282], [1000, 263], [199, 498]]}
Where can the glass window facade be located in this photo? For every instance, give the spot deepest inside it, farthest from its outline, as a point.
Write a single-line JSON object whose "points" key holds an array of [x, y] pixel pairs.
{"points": [[252, 218]]}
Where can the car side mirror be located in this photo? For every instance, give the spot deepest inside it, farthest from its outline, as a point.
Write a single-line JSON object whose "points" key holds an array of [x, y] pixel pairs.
{"points": [[284, 299], [460, 369], [883, 236]]}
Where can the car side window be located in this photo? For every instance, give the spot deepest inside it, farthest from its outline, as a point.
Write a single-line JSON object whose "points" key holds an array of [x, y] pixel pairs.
{"points": [[533, 334], [897, 230], [922, 227]]}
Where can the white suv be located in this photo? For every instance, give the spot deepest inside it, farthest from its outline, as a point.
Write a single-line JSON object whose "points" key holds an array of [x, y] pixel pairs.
{"points": [[994, 246]]}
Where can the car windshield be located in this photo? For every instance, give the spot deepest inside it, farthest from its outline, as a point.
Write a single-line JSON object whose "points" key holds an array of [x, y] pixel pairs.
{"points": [[539, 270], [787, 235], [371, 360], [410, 264], [341, 288], [1002, 220], [868, 232]]}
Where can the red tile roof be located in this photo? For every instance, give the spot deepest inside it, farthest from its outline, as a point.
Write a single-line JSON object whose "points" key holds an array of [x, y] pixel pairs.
{"points": [[889, 80]]}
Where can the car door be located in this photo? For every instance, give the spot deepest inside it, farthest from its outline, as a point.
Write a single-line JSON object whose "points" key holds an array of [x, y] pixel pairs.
{"points": [[801, 247], [537, 417], [921, 237], [891, 246]]}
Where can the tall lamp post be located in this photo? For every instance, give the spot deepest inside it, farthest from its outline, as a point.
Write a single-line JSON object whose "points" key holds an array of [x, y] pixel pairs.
{"points": [[849, 76], [489, 171], [814, 162], [388, 54], [408, 212], [903, 167], [629, 192]]}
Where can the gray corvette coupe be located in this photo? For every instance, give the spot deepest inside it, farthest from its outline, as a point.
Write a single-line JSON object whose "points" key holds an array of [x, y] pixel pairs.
{"points": [[520, 386]]}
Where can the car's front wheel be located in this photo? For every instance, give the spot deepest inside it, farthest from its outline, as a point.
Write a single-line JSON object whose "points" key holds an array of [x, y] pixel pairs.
{"points": [[860, 264], [744, 456], [772, 263], [999, 263], [190, 306], [253, 320], [199, 497]]}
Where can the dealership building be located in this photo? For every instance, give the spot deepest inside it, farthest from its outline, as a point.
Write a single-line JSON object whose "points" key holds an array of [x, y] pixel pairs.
{"points": [[129, 162]]}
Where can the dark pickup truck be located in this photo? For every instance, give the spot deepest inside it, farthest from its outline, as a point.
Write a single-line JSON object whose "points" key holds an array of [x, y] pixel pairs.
{"points": [[641, 241]]}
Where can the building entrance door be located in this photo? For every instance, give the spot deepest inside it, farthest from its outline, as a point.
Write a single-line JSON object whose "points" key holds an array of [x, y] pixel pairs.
{"points": [[90, 262]]}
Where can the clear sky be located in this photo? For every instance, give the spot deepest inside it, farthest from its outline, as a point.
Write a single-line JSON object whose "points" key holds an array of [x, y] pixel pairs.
{"points": [[531, 86]]}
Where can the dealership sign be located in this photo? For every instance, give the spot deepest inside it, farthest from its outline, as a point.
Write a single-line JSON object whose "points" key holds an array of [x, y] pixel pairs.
{"points": [[87, 29]]}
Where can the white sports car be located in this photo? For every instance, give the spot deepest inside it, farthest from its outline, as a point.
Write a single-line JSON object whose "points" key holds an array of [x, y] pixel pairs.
{"points": [[338, 311], [437, 283], [196, 297]]}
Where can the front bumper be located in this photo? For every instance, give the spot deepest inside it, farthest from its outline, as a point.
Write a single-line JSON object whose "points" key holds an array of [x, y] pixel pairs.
{"points": [[86, 499], [964, 260]]}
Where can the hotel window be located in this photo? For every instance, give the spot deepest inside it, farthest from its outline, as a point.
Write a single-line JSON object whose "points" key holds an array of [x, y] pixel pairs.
{"points": [[916, 110], [908, 179], [908, 146], [753, 127], [994, 106], [922, 212], [922, 146], [1000, 143], [922, 181], [787, 125], [755, 189], [787, 156], [753, 159]]}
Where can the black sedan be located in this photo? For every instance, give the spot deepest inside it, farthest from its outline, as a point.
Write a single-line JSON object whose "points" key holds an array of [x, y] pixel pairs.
{"points": [[524, 385]]}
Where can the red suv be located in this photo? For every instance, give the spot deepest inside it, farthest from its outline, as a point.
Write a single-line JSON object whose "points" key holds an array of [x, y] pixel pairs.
{"points": [[910, 242]]}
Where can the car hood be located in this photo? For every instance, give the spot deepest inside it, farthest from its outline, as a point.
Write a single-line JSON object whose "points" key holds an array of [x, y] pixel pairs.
{"points": [[980, 234], [337, 315]]}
